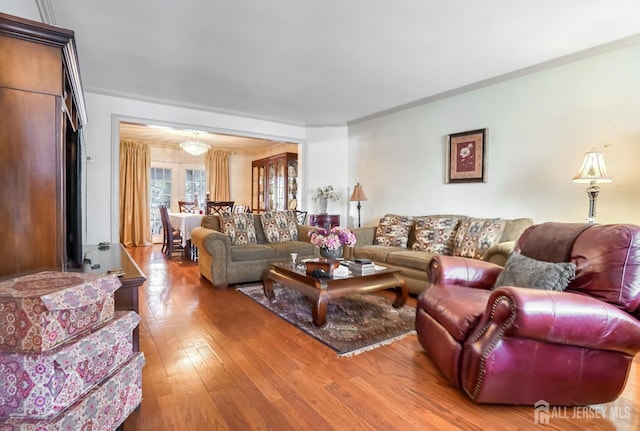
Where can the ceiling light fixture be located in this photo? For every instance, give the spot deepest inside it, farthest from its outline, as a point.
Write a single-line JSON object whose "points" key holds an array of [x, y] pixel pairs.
{"points": [[195, 146]]}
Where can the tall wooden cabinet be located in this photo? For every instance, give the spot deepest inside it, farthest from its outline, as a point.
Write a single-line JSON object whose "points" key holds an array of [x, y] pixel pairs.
{"points": [[43, 109], [274, 183]]}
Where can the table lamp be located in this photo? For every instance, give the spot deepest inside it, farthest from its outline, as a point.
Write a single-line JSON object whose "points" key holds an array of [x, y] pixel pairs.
{"points": [[358, 195], [592, 171]]}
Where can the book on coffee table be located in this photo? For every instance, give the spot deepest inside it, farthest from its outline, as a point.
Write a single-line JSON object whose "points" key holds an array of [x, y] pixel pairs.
{"points": [[362, 268]]}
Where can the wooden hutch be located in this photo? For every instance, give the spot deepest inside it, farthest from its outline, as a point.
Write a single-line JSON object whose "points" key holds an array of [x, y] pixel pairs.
{"points": [[43, 110], [274, 183]]}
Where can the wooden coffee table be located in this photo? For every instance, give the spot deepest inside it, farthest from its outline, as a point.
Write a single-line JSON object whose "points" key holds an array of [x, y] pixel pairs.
{"points": [[321, 290]]}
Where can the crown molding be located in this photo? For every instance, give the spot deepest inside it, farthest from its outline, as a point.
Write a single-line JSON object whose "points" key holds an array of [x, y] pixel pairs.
{"points": [[46, 12]]}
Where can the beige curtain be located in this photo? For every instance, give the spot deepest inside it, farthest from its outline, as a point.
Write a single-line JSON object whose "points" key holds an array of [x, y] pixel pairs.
{"points": [[217, 167], [135, 168]]}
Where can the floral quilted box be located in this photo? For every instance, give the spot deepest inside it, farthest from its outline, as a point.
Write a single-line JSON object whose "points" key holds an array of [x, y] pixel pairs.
{"points": [[105, 407], [41, 385], [42, 310]]}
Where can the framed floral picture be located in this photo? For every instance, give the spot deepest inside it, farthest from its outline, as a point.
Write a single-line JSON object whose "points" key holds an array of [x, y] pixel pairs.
{"points": [[466, 157]]}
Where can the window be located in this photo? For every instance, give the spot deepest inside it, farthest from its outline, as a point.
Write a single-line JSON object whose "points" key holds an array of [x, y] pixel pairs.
{"points": [[160, 195], [195, 186], [169, 183]]}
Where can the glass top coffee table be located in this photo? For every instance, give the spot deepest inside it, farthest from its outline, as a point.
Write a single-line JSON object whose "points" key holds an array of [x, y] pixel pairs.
{"points": [[321, 290]]}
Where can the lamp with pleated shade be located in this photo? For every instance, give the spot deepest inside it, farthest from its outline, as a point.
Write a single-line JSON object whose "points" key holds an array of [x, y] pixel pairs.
{"points": [[592, 171], [358, 195]]}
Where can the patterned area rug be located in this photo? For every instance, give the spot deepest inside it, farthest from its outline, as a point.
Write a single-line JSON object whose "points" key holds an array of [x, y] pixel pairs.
{"points": [[354, 325]]}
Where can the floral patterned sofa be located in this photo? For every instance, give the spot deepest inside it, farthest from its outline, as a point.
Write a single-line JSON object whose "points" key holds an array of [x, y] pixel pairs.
{"points": [[237, 248], [408, 243]]}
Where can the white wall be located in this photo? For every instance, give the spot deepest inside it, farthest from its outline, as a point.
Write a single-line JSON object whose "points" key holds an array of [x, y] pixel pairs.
{"points": [[102, 143], [21, 8], [327, 165], [539, 127]]}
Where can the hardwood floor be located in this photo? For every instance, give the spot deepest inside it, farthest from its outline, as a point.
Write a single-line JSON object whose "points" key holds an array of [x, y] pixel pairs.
{"points": [[218, 361]]}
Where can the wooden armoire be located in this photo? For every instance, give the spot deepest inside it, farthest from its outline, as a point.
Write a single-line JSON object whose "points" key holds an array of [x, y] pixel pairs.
{"points": [[43, 111]]}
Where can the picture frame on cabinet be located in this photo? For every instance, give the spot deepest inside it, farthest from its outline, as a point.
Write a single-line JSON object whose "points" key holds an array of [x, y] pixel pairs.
{"points": [[465, 157]]}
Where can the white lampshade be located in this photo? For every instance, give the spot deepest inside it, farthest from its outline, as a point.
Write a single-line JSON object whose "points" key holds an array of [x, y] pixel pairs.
{"points": [[593, 169]]}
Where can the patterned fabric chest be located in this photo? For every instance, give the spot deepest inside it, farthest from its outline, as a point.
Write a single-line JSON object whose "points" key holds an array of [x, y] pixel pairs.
{"points": [[42, 310], [40, 386], [104, 408]]}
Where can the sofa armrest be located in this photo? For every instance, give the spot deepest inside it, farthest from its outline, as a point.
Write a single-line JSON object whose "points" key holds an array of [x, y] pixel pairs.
{"points": [[463, 271], [562, 318], [204, 238], [364, 235], [499, 253], [214, 254], [303, 232], [212, 243]]}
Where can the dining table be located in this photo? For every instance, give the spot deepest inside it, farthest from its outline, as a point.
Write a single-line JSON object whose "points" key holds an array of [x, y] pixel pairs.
{"points": [[186, 223]]}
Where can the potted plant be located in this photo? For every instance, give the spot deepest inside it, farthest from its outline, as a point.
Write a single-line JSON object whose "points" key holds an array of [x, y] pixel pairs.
{"points": [[331, 242], [323, 195]]}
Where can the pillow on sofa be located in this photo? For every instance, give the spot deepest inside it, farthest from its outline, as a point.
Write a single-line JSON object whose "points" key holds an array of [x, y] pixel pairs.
{"points": [[523, 271], [435, 234], [476, 235], [238, 227], [280, 226], [393, 230]]}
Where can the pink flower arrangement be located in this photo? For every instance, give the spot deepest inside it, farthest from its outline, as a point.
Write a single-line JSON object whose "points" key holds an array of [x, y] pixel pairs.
{"points": [[332, 239]]}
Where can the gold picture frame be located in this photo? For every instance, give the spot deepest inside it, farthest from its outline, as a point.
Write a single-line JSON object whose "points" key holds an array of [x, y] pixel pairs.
{"points": [[466, 157]]}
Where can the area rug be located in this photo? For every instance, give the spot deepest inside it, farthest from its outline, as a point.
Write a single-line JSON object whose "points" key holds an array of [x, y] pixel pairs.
{"points": [[355, 324]]}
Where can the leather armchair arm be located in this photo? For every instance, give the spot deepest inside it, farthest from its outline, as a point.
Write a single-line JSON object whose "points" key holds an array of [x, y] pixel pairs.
{"points": [[562, 318], [463, 271]]}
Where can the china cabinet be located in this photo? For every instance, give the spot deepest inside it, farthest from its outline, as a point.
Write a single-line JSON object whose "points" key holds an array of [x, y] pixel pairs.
{"points": [[274, 183]]}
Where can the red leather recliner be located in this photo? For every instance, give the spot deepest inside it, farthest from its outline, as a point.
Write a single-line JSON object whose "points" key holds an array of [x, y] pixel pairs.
{"points": [[515, 345]]}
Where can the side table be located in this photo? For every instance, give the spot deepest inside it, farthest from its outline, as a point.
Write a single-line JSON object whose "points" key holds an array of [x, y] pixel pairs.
{"points": [[126, 297], [325, 221]]}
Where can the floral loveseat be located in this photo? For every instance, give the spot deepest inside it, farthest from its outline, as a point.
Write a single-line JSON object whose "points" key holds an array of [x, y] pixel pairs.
{"points": [[237, 248], [408, 243]]}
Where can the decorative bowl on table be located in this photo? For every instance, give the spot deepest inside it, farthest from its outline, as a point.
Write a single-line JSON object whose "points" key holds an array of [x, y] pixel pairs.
{"points": [[326, 265]]}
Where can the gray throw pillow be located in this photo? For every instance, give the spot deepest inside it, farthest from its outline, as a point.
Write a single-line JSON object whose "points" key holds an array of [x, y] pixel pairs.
{"points": [[523, 271]]}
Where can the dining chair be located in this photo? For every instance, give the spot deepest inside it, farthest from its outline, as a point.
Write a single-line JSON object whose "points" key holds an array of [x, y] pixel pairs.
{"points": [[172, 242], [301, 216], [187, 206], [217, 207]]}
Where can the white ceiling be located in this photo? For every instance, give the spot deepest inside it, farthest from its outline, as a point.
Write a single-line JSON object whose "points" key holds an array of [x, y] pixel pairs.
{"points": [[163, 136], [329, 62]]}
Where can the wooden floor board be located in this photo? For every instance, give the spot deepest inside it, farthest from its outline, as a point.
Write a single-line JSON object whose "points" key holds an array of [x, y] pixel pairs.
{"points": [[216, 360]]}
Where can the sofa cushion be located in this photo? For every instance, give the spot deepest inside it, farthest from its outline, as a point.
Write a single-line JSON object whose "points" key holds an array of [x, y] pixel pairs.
{"points": [[523, 271], [411, 259], [280, 226], [251, 252], [377, 253], [435, 234], [393, 230], [476, 235], [238, 227], [284, 249]]}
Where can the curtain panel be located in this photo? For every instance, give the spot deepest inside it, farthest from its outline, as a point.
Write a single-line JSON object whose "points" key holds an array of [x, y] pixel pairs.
{"points": [[135, 169], [217, 169]]}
